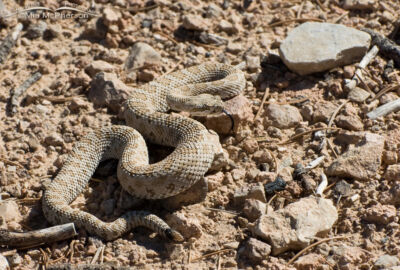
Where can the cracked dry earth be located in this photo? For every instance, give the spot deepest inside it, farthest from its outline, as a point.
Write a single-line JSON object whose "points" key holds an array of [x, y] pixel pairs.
{"points": [[61, 108]]}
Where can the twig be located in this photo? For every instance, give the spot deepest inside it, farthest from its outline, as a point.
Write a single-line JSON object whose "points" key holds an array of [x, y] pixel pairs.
{"points": [[365, 85], [11, 162], [386, 46], [320, 5], [270, 201], [363, 63], [300, 9], [141, 9], [266, 92], [336, 112], [313, 245], [167, 37], [222, 210], [305, 133], [295, 20], [338, 19], [384, 91], [16, 93], [38, 237], [173, 69], [96, 255], [385, 109], [322, 186], [212, 253], [9, 42]]}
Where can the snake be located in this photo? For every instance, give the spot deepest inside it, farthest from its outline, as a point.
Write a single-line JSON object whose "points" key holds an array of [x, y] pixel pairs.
{"points": [[200, 90]]}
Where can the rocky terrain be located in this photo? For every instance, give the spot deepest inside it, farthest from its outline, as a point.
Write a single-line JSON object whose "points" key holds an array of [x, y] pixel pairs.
{"points": [[311, 164]]}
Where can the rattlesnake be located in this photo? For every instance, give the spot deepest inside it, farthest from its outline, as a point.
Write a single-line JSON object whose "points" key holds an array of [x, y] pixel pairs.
{"points": [[197, 89]]}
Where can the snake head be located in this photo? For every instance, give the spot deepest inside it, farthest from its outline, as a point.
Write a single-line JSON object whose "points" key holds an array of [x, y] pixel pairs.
{"points": [[206, 104]]}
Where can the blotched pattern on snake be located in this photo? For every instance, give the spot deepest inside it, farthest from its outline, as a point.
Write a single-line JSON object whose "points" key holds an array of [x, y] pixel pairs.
{"points": [[199, 90]]}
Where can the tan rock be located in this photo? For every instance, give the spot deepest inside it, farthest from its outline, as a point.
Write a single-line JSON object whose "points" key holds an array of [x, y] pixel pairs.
{"points": [[293, 227]]}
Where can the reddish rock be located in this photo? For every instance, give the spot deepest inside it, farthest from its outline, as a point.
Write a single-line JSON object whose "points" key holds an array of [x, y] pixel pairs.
{"points": [[240, 109], [380, 214]]}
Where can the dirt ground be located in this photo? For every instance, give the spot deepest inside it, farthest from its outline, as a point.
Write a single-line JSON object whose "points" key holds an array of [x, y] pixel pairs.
{"points": [[55, 112]]}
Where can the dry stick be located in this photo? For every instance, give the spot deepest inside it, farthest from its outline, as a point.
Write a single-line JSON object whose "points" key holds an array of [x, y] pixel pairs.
{"points": [[386, 46], [168, 37], [173, 69], [9, 42], [313, 245], [11, 162], [96, 255], [336, 112], [362, 65], [212, 253], [320, 5], [222, 210], [16, 93], [262, 103], [300, 9], [37, 237], [340, 17], [384, 91], [385, 109], [305, 133], [365, 85], [295, 20]]}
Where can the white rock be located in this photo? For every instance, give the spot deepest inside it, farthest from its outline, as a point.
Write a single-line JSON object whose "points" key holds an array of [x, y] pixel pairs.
{"points": [[142, 55], [295, 226], [4, 263], [386, 261], [358, 4], [315, 47], [9, 212], [361, 161], [358, 94]]}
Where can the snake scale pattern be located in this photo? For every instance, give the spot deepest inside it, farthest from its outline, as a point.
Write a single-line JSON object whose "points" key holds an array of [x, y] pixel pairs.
{"points": [[199, 90]]}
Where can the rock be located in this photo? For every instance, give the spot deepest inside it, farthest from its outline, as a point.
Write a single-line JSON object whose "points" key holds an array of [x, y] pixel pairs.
{"points": [[392, 172], [238, 174], [282, 116], [142, 55], [254, 192], [309, 262], [358, 4], [386, 261], [361, 161], [95, 29], [4, 263], [36, 30], [228, 27], [99, 66], [351, 122], [107, 90], [15, 260], [9, 212], [348, 257], [255, 250], [380, 214], [239, 108], [390, 158], [234, 47], [250, 145], [315, 47], [194, 22], [253, 63], [293, 227], [54, 139], [110, 16], [78, 103], [186, 223], [213, 11], [253, 209], [358, 95], [215, 180], [322, 111]]}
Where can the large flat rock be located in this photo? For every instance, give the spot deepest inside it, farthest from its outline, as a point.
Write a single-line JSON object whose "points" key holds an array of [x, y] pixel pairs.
{"points": [[296, 225], [315, 47]]}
